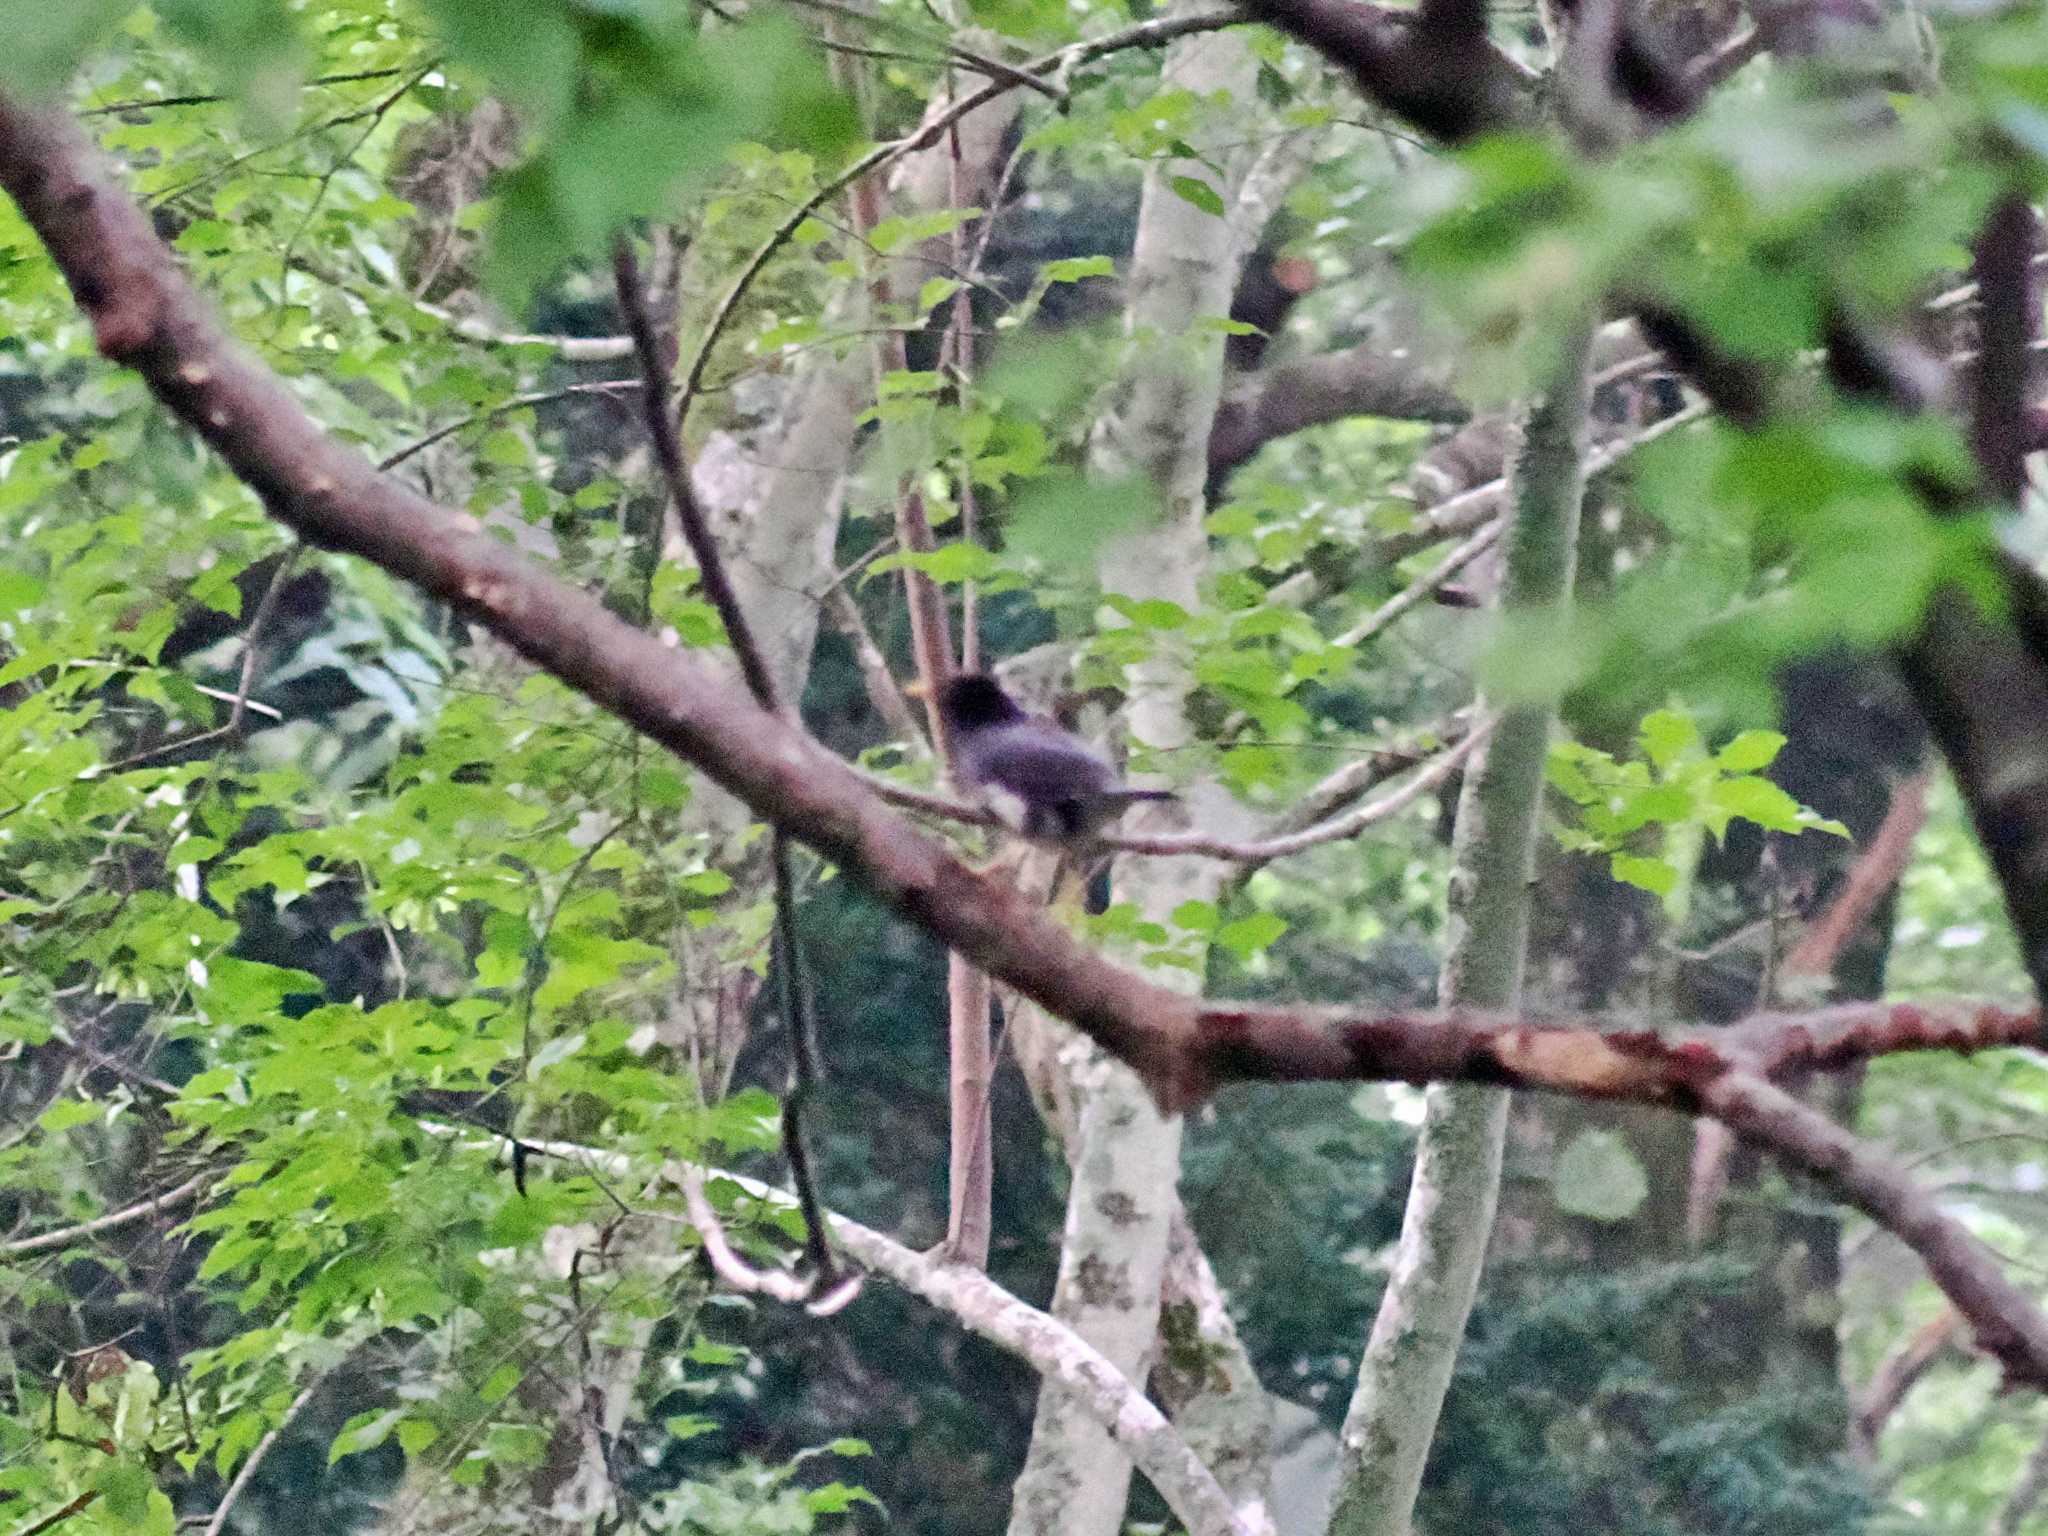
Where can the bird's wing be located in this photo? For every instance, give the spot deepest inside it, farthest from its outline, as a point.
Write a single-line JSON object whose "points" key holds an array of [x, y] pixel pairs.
{"points": [[1037, 762]]}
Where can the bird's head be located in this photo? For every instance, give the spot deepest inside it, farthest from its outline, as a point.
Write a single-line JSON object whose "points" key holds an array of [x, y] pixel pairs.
{"points": [[972, 700]]}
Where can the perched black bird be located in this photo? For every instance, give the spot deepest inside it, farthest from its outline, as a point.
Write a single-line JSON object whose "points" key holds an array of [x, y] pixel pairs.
{"points": [[1036, 777]]}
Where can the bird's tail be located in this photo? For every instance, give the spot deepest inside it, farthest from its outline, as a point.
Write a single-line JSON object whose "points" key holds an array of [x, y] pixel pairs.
{"points": [[1127, 796]]}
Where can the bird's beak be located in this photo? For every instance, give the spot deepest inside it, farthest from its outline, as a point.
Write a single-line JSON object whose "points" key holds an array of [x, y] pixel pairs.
{"points": [[919, 690]]}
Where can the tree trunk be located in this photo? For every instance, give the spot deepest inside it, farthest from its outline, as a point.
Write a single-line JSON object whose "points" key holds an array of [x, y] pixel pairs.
{"points": [[1125, 1155], [1415, 1338]]}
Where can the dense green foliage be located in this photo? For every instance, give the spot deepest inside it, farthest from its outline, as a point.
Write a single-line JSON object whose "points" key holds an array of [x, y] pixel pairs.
{"points": [[315, 899]]}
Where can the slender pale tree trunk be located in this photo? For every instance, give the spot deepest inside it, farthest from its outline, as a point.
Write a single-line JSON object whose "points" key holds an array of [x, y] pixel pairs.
{"points": [[1125, 1155], [1415, 1338], [1204, 1379]]}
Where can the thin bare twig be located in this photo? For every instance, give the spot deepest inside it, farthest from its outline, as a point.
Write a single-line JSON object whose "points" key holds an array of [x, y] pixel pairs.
{"points": [[238, 701], [60, 1514], [1870, 879], [777, 1284], [880, 682], [980, 63], [1145, 34], [2026, 1492], [2008, 1325], [261, 1450], [668, 453], [1336, 829], [1454, 561], [141, 1210], [1365, 772], [794, 989], [1726, 59], [1276, 844], [156, 103], [1897, 1374], [794, 997], [1039, 1339], [1468, 509], [420, 445]]}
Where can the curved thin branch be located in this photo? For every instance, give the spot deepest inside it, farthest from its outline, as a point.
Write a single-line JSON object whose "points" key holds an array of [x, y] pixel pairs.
{"points": [[1279, 842], [141, 1210], [1145, 34], [968, 1296], [60, 1514], [776, 1284], [675, 474], [1455, 560], [1342, 787], [1469, 509], [980, 63], [262, 1449], [421, 444], [1064, 1358], [1897, 1375], [1336, 829], [1726, 60], [2026, 1492]]}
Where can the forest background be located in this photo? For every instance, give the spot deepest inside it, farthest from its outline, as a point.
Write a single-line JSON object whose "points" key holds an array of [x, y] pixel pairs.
{"points": [[1550, 493]]}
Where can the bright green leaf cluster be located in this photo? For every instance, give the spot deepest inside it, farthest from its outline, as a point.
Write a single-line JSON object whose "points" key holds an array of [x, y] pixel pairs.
{"points": [[1677, 786]]}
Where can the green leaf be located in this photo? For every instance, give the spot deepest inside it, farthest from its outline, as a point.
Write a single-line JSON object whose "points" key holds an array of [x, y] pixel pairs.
{"points": [[645, 118], [1653, 875], [890, 234], [1192, 189], [1061, 520], [951, 563], [250, 989], [415, 1435], [18, 589], [1073, 269], [837, 1499], [1149, 612], [527, 49], [125, 1486], [1666, 736], [1599, 1177], [1223, 325], [255, 43], [499, 1384], [1565, 774], [365, 1432], [1246, 936], [1750, 752], [67, 1114], [936, 291], [1758, 800]]}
